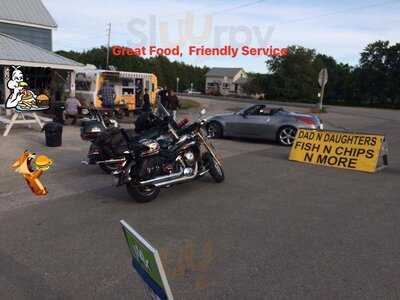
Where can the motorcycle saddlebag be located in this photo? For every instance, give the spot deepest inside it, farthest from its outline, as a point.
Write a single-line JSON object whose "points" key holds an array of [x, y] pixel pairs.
{"points": [[112, 142], [91, 129]]}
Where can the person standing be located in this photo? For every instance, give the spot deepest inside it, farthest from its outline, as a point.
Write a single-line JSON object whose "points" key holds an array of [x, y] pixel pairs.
{"points": [[107, 95], [146, 102], [164, 97], [71, 109], [173, 103]]}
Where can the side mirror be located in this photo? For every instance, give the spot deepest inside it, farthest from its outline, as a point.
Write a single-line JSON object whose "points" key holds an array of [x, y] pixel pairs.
{"points": [[243, 114]]}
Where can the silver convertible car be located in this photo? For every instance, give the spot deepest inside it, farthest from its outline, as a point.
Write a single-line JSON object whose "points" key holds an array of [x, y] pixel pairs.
{"points": [[259, 121]]}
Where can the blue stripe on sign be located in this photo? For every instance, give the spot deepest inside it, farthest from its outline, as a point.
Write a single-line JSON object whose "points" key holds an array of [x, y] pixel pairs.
{"points": [[149, 281]]}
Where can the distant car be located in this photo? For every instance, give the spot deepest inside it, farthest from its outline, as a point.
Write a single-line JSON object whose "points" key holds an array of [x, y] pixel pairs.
{"points": [[192, 92], [261, 122]]}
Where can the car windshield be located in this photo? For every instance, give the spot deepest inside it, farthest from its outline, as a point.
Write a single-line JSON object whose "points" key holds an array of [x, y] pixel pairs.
{"points": [[260, 110], [255, 110]]}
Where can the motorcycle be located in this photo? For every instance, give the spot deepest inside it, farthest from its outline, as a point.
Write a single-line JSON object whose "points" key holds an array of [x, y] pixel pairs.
{"points": [[181, 155], [108, 144], [92, 127]]}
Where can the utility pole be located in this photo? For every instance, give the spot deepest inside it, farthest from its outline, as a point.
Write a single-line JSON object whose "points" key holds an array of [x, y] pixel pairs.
{"points": [[108, 44]]}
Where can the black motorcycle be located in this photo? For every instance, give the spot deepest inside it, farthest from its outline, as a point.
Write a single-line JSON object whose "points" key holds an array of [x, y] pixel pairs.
{"points": [[183, 155], [99, 124], [107, 142]]}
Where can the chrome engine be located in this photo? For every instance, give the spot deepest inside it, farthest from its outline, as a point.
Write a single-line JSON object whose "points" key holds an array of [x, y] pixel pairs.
{"points": [[189, 158]]}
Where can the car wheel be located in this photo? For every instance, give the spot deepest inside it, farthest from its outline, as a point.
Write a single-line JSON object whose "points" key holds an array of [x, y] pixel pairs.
{"points": [[214, 130], [286, 135]]}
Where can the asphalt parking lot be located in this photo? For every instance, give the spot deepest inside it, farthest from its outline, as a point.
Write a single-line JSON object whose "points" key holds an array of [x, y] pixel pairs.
{"points": [[275, 229]]}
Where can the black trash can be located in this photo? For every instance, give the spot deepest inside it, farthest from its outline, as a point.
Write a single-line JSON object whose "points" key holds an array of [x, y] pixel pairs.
{"points": [[58, 112], [53, 133]]}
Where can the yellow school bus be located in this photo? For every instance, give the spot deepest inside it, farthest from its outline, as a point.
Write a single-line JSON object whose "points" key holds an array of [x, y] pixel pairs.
{"points": [[128, 86]]}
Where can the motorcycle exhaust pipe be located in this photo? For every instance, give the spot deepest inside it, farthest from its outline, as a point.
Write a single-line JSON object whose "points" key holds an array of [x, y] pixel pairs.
{"points": [[111, 161], [180, 179], [159, 179]]}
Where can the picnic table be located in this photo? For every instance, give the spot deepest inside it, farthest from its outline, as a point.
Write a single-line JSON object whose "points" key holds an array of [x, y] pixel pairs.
{"points": [[20, 118]]}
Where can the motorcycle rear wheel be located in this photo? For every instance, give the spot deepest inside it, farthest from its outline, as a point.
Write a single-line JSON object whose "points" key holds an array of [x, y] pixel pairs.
{"points": [[142, 194]]}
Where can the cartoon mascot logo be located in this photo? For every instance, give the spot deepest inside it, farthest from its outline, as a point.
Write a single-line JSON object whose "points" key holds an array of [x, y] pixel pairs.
{"points": [[31, 167], [21, 98]]}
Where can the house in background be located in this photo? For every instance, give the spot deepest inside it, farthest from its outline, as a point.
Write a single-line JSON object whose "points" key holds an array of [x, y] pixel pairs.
{"points": [[225, 81], [26, 28], [27, 20]]}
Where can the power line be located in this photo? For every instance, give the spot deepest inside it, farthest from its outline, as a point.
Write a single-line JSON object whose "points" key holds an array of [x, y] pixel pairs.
{"points": [[238, 7], [339, 12], [219, 11]]}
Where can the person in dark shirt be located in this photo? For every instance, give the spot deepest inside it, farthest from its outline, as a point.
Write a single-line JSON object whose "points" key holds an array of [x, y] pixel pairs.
{"points": [[164, 97], [146, 102], [173, 102]]}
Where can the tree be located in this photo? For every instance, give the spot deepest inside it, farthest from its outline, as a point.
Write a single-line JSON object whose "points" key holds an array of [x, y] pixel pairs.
{"points": [[294, 77], [256, 84], [378, 76], [375, 81]]}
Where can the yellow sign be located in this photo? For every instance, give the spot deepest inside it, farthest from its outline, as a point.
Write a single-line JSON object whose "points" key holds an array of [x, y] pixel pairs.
{"points": [[346, 150]]}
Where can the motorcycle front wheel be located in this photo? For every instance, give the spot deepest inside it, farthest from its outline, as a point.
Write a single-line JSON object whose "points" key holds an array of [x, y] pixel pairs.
{"points": [[142, 194], [216, 172]]}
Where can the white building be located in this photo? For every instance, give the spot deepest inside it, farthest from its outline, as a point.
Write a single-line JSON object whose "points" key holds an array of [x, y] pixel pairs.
{"points": [[225, 81], [26, 40]]}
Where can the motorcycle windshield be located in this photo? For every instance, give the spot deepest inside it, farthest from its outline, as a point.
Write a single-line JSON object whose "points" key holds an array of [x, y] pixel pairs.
{"points": [[161, 110]]}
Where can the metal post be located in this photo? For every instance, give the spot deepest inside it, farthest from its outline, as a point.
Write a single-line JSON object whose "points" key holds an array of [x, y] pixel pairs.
{"points": [[6, 78], [322, 80], [72, 77], [177, 84], [321, 97]]}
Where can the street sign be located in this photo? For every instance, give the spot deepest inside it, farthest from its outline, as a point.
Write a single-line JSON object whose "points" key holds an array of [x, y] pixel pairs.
{"points": [[147, 263], [323, 77]]}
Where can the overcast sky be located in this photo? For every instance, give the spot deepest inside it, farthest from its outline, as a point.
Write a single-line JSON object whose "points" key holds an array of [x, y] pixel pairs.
{"points": [[338, 28]]}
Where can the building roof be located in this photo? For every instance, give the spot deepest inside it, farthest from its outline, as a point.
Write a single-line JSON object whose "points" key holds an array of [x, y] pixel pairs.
{"points": [[222, 72], [31, 12], [17, 52]]}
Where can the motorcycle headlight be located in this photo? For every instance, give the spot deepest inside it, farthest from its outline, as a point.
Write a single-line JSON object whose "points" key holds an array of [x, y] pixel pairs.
{"points": [[189, 156], [95, 129]]}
